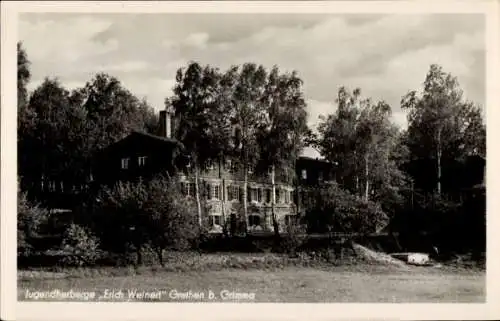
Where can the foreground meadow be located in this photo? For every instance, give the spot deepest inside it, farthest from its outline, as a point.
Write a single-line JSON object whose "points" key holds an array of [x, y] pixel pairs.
{"points": [[266, 282]]}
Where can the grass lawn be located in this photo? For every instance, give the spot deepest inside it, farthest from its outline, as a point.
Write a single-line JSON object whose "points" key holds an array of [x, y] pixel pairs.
{"points": [[289, 284]]}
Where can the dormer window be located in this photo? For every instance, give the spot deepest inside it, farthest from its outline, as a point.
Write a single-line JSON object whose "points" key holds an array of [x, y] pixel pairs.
{"points": [[141, 160], [125, 162]]}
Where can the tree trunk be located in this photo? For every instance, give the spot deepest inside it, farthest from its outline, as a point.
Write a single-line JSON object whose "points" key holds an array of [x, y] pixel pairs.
{"points": [[439, 154], [367, 183], [412, 195], [245, 195], [273, 202], [223, 198], [197, 192]]}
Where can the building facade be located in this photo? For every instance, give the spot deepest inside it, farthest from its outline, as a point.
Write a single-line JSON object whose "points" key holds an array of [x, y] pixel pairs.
{"points": [[221, 181]]}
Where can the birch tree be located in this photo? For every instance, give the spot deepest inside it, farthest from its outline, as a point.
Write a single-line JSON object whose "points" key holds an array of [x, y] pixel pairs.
{"points": [[195, 97], [249, 114], [282, 136], [442, 125]]}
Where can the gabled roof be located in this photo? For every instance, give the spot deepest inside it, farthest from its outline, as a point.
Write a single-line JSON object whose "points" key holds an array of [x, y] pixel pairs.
{"points": [[156, 137], [124, 140]]}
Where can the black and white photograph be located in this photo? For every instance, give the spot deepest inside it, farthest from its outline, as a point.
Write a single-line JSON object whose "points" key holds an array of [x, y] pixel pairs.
{"points": [[251, 157]]}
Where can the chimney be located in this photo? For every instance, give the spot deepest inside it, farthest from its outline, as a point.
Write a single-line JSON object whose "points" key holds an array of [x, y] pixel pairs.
{"points": [[165, 124]]}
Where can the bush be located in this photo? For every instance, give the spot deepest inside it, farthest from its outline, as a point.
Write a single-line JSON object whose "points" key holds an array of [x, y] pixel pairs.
{"points": [[443, 227], [80, 246], [294, 238], [337, 210], [30, 217]]}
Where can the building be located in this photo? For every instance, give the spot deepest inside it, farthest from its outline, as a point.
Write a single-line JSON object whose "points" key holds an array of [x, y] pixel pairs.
{"points": [[221, 181]]}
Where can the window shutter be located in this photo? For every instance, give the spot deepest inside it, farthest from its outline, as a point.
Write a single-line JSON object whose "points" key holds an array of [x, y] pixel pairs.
{"points": [[241, 194]]}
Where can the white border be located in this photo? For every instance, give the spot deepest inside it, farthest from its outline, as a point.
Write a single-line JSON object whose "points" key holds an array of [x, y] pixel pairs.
{"points": [[185, 311]]}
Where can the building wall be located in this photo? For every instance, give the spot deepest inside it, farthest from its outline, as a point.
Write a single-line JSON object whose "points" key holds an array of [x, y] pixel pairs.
{"points": [[221, 189], [157, 157]]}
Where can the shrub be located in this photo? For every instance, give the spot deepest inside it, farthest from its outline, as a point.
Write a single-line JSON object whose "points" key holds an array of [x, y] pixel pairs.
{"points": [[293, 239], [80, 246], [442, 226], [29, 219], [337, 210]]}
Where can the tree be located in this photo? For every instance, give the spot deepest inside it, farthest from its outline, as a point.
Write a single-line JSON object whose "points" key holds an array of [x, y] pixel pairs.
{"points": [[26, 117], [30, 218], [283, 134], [23, 76], [366, 145], [249, 114], [140, 214], [171, 223], [336, 138], [442, 126], [44, 138], [377, 140], [334, 209], [195, 106], [112, 111], [120, 218], [63, 130]]}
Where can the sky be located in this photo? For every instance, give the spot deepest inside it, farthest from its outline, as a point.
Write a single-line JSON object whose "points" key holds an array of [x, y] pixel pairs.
{"points": [[384, 55]]}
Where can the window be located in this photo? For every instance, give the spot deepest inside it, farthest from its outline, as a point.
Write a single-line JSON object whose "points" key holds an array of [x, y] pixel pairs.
{"points": [[188, 189], [320, 176], [259, 195], [141, 160], [254, 220], [213, 191], [304, 174], [125, 162], [268, 195], [228, 165], [253, 194], [215, 220], [233, 193], [217, 192], [277, 195], [287, 197]]}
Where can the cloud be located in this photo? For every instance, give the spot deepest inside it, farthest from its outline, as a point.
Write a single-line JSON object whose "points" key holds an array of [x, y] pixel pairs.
{"points": [[316, 109], [64, 41], [155, 90], [385, 55], [197, 40]]}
